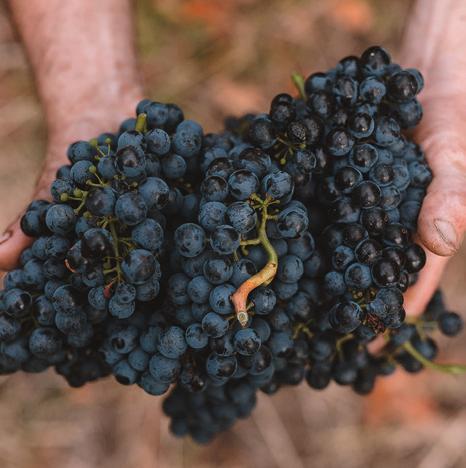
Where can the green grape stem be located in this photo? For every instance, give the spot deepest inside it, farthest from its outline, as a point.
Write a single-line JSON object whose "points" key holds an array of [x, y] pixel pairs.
{"points": [[343, 340], [454, 369], [115, 249], [301, 328], [82, 202], [298, 81], [141, 123]]}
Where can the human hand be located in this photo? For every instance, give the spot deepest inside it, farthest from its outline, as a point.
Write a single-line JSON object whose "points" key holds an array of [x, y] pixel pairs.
{"points": [[433, 44], [84, 63]]}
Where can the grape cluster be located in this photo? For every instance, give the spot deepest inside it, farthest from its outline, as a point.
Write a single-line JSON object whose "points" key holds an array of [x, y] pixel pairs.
{"points": [[229, 270], [220, 265], [94, 260], [363, 199], [204, 414]]}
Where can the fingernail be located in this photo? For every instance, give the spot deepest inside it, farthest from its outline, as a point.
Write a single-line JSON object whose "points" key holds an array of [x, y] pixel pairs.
{"points": [[447, 233], [6, 235]]}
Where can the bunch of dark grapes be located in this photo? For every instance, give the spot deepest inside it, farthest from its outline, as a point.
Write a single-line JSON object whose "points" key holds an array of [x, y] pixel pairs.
{"points": [[220, 265], [229, 271], [361, 181], [94, 259]]}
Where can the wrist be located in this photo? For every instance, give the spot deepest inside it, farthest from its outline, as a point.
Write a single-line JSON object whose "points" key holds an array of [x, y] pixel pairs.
{"points": [[434, 29], [84, 61], [90, 113]]}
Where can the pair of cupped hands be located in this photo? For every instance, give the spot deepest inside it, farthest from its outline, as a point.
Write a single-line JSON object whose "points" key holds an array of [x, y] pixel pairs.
{"points": [[442, 134]]}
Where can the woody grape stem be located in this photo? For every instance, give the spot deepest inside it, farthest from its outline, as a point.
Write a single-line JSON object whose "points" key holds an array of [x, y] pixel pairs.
{"points": [[265, 276]]}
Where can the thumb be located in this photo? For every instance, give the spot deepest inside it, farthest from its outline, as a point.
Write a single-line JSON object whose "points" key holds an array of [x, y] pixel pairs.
{"points": [[442, 219], [12, 243]]}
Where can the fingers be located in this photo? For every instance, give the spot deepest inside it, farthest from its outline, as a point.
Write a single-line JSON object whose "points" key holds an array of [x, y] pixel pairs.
{"points": [[418, 296], [12, 243], [442, 219]]}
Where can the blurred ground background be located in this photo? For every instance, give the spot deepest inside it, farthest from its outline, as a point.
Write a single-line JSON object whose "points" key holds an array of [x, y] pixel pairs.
{"points": [[217, 58]]}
